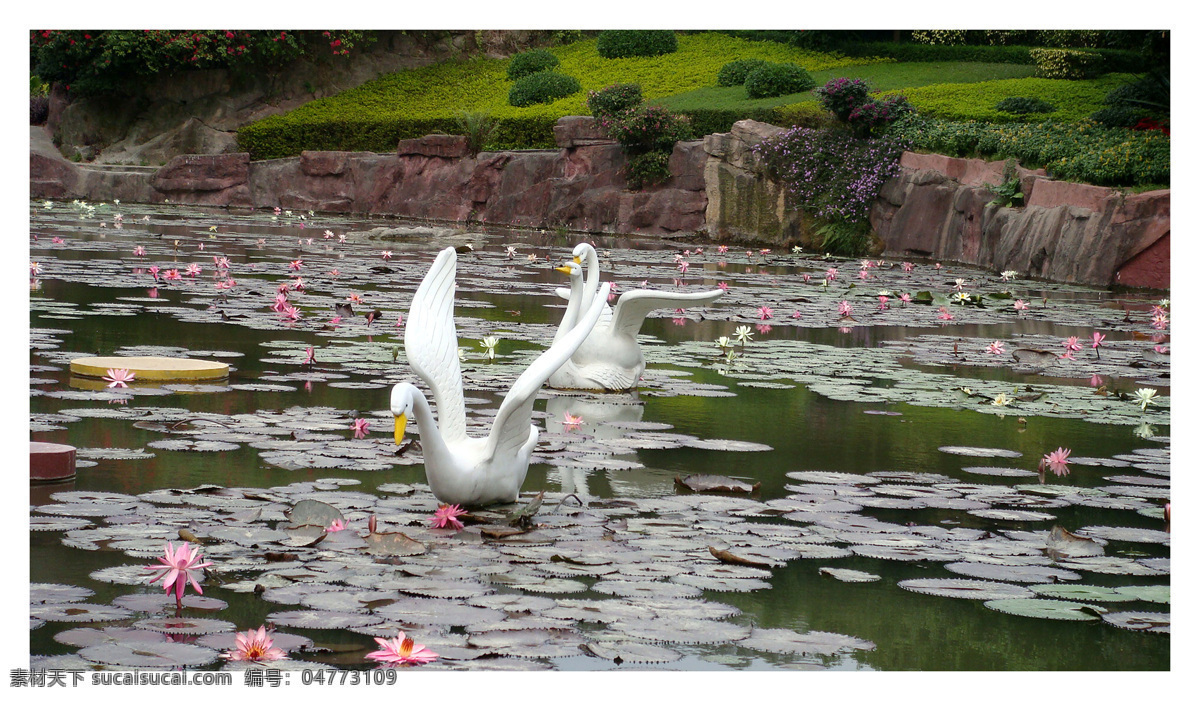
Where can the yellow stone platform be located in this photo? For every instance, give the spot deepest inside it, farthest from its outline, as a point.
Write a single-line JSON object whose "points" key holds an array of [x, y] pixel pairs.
{"points": [[152, 368]]}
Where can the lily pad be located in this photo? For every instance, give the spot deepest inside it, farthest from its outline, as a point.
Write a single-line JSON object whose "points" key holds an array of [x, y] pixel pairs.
{"points": [[967, 589], [1147, 621], [1054, 609]]}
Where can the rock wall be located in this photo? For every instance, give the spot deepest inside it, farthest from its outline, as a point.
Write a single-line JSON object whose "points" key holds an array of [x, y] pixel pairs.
{"points": [[937, 207], [1070, 232]]}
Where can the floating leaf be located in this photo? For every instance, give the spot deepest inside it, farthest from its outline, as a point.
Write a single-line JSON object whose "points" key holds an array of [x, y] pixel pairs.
{"points": [[1061, 544], [716, 483], [133, 653], [1055, 609], [1147, 621], [966, 589], [1083, 592], [845, 575]]}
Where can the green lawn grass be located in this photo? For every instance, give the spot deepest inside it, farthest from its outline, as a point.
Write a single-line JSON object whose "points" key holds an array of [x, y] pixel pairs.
{"points": [[411, 103], [880, 76]]}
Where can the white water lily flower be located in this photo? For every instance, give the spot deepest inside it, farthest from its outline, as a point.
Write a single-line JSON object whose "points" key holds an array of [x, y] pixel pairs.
{"points": [[1145, 397], [723, 342], [1164, 303], [743, 334], [462, 355], [962, 298], [1009, 275], [731, 356], [489, 345], [797, 249], [1002, 400]]}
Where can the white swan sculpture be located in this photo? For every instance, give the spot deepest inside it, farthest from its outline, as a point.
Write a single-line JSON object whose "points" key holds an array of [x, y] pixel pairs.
{"points": [[610, 359], [461, 469]]}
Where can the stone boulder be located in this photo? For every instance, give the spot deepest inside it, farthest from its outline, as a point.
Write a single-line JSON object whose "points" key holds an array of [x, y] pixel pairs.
{"points": [[435, 146], [575, 131], [213, 180]]}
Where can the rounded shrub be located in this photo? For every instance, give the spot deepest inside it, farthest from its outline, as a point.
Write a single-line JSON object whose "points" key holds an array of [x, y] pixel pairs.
{"points": [[643, 129], [735, 72], [1122, 116], [842, 95], [1023, 105], [613, 99], [624, 43], [775, 79], [530, 62], [544, 86]]}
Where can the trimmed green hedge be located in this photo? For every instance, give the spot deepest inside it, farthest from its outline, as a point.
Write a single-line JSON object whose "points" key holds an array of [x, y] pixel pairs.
{"points": [[1085, 151], [541, 87], [1115, 60], [627, 43]]}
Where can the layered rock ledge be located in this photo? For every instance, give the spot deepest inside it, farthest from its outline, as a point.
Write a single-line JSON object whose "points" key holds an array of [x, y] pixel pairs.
{"points": [[937, 206]]}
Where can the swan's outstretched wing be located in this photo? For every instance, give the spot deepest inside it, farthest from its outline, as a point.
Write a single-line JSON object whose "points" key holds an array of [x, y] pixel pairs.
{"points": [[634, 305], [431, 344], [511, 427]]}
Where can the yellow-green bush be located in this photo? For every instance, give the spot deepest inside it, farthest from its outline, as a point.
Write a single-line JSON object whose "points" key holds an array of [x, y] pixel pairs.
{"points": [[376, 114], [1068, 64]]}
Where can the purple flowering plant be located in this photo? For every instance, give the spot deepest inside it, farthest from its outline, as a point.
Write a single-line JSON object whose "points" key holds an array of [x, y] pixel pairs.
{"points": [[829, 172]]}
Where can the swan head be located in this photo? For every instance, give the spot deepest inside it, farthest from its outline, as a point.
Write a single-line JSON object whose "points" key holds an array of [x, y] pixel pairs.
{"points": [[583, 250], [402, 406], [571, 268]]}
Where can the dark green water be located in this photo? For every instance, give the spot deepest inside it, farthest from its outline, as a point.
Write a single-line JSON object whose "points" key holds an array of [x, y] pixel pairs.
{"points": [[806, 431]]}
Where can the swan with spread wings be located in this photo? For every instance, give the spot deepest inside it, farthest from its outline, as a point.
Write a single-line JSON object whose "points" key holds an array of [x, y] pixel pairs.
{"points": [[611, 360], [461, 469]]}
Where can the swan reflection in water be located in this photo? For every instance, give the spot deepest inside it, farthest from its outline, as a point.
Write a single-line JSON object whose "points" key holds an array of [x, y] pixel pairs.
{"points": [[599, 413]]}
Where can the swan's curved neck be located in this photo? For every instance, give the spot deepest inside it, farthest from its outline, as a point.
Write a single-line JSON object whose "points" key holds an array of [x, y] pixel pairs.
{"points": [[433, 446], [574, 304], [592, 283]]}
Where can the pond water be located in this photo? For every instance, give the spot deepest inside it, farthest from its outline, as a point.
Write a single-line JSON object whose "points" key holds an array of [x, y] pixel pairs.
{"points": [[898, 514]]}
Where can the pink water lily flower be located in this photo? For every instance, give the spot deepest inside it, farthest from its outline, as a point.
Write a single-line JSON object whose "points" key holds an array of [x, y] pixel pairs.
{"points": [[683, 266], [996, 347], [765, 313], [336, 525], [1020, 305], [56, 239], [254, 646], [1097, 341], [806, 277], [1056, 461], [722, 249], [831, 274], [172, 274], [944, 314], [905, 298], [908, 267], [193, 269], [401, 651], [387, 255], [296, 264], [361, 428], [328, 234], [844, 308], [309, 356], [1072, 343], [723, 285], [153, 270], [796, 314], [118, 377], [447, 515], [177, 568], [221, 261], [139, 251], [571, 422]]}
